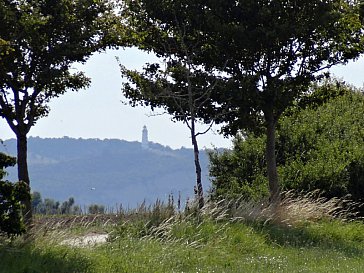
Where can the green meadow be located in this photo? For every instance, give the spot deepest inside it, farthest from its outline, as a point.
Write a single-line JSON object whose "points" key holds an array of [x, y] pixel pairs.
{"points": [[219, 239]]}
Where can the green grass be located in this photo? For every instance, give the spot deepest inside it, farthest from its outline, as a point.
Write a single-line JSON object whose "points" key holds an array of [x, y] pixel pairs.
{"points": [[303, 234], [188, 246]]}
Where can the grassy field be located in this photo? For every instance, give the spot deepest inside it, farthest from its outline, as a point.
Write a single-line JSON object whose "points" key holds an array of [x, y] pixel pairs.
{"points": [[161, 241]]}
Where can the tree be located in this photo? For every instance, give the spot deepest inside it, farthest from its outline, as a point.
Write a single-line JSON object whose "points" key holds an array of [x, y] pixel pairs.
{"points": [[181, 86], [178, 90], [275, 49], [50, 206], [44, 39], [66, 207], [319, 147], [269, 50], [37, 201], [96, 209]]}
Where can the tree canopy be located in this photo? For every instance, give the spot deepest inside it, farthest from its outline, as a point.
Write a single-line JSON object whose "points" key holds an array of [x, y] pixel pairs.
{"points": [[44, 39], [268, 50], [178, 83], [40, 40], [319, 147]]}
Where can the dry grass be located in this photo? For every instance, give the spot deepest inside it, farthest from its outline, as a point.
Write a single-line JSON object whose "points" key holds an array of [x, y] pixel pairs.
{"points": [[292, 209], [159, 221], [222, 237], [162, 222], [313, 207]]}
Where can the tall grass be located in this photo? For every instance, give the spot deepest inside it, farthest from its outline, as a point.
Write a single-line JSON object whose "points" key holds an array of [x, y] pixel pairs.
{"points": [[304, 233], [293, 209]]}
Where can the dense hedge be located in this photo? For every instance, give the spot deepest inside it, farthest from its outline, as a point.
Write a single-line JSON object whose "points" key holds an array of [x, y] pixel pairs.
{"points": [[10, 195], [319, 146]]}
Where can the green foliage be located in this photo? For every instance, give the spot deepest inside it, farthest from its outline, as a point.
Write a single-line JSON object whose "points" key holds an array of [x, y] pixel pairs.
{"points": [[66, 207], [46, 37], [181, 85], [241, 172], [49, 206], [275, 49], [11, 222], [36, 198], [96, 209], [319, 146], [267, 51], [5, 161], [271, 50]]}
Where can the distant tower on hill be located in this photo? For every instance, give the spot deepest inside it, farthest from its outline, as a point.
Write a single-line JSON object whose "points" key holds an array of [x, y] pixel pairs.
{"points": [[145, 142]]}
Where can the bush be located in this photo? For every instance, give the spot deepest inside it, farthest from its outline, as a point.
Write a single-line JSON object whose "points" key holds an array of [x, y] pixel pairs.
{"points": [[240, 172], [11, 222], [319, 146]]}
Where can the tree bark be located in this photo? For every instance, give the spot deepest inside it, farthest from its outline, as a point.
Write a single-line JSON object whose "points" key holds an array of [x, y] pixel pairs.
{"points": [[23, 174], [274, 188], [199, 188]]}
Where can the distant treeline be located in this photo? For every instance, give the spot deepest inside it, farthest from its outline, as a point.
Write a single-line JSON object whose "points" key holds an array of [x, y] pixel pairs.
{"points": [[50, 206]]}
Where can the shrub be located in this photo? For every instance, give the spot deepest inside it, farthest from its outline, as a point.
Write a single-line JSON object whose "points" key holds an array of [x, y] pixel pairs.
{"points": [[11, 222], [240, 172], [319, 146]]}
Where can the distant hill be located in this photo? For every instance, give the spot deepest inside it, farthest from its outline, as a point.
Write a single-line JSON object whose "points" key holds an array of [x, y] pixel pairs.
{"points": [[109, 172]]}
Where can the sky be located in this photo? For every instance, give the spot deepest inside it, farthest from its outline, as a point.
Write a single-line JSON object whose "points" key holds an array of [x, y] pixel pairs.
{"points": [[102, 112]]}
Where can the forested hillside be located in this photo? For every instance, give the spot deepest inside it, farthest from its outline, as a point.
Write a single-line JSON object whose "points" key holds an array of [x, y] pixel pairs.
{"points": [[109, 172]]}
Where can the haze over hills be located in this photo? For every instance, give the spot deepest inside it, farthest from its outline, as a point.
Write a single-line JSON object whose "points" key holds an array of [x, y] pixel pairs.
{"points": [[109, 172]]}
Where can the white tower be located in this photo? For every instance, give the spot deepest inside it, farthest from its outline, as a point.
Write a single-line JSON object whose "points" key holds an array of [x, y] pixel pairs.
{"points": [[145, 138]]}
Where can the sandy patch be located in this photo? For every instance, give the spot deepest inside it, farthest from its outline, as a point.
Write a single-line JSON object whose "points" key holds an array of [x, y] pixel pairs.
{"points": [[86, 240]]}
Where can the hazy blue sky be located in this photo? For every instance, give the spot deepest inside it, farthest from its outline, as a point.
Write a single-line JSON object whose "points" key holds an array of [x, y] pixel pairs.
{"points": [[98, 112]]}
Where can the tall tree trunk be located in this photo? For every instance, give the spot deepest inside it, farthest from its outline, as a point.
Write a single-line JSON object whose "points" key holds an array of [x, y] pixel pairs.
{"points": [[23, 174], [199, 188], [274, 188]]}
